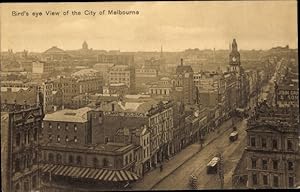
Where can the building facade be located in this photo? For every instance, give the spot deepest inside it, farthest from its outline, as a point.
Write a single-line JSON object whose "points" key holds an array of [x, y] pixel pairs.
{"points": [[123, 74], [272, 147], [20, 140]]}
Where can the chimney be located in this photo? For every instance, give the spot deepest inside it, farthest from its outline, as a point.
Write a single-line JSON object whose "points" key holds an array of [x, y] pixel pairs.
{"points": [[181, 62]]}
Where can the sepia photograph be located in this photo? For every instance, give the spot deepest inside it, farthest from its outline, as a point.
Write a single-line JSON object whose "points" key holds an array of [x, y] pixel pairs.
{"points": [[142, 96]]}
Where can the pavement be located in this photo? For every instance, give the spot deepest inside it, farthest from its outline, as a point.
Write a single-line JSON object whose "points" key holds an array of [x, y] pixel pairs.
{"points": [[154, 177], [196, 165]]}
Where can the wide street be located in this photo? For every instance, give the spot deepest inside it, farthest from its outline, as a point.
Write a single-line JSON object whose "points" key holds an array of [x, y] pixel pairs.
{"points": [[197, 165], [231, 153]]}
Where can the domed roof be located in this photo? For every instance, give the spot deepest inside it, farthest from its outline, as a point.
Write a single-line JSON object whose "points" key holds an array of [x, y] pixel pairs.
{"points": [[54, 49]]}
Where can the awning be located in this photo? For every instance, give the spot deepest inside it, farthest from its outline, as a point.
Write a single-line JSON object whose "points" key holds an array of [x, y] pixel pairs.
{"points": [[90, 173]]}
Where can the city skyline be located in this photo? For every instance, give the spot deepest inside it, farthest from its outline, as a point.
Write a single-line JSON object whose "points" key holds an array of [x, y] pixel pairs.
{"points": [[177, 26]]}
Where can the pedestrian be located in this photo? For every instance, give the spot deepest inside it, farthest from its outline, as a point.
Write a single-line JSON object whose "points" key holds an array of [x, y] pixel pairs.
{"points": [[161, 168]]}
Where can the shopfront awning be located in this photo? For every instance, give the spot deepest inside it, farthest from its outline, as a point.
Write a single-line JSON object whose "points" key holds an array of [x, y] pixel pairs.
{"points": [[90, 173]]}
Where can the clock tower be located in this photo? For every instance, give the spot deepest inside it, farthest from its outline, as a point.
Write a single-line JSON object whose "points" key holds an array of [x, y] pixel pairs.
{"points": [[234, 57]]}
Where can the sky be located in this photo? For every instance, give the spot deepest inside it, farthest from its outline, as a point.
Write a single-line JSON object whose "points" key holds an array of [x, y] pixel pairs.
{"points": [[174, 25]]}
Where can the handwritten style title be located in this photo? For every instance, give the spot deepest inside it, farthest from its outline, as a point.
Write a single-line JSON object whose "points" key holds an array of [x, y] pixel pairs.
{"points": [[73, 13]]}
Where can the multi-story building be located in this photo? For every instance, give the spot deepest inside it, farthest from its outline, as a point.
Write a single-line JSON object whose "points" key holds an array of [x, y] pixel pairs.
{"points": [[41, 67], [71, 87], [139, 137], [163, 87], [20, 139], [144, 76], [123, 74], [184, 84], [272, 147], [117, 59], [103, 69], [55, 54], [135, 112], [71, 141]]}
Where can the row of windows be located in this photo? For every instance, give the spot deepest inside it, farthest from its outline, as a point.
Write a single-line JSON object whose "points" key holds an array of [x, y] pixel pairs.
{"points": [[265, 180], [27, 136], [26, 185], [67, 139], [120, 79], [159, 91], [275, 163], [66, 126], [274, 143]]}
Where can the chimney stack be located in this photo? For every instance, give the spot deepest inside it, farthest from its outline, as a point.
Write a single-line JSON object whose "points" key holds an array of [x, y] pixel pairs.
{"points": [[181, 61]]}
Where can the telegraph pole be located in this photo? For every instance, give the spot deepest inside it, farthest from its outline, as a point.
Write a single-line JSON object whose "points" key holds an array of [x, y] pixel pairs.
{"points": [[221, 170]]}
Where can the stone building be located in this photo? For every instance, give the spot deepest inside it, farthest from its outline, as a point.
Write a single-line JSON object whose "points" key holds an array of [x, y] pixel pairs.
{"points": [[20, 140], [123, 74], [71, 143], [272, 147], [184, 84]]}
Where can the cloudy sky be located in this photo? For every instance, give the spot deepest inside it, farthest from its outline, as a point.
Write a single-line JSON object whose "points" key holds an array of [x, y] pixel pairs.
{"points": [[175, 25]]}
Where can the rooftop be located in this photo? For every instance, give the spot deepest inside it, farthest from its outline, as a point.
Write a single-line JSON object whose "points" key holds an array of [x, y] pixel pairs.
{"points": [[54, 49], [69, 115]]}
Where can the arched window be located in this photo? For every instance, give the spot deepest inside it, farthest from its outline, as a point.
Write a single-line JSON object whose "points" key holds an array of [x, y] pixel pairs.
{"points": [[34, 182], [95, 162], [70, 159], [18, 139], [35, 134], [50, 157], [17, 164], [59, 158], [18, 187], [79, 160]]}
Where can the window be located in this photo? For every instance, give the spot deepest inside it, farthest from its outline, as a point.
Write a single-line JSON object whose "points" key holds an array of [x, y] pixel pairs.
{"points": [[289, 145], [291, 182], [50, 125], [105, 162], [17, 164], [67, 126], [75, 139], [275, 144], [265, 179], [18, 139], [58, 138], [58, 126], [130, 158], [95, 162], [18, 187], [275, 164], [252, 141], [50, 157], [275, 181], [265, 164], [50, 137], [67, 138], [263, 142], [126, 160], [253, 163], [26, 186], [35, 134], [254, 179], [290, 166], [75, 128], [58, 158], [70, 159], [78, 160]]}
